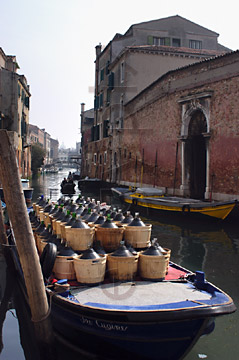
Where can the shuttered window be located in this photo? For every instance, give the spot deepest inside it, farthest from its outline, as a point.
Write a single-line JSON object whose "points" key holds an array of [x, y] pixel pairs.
{"points": [[111, 81]]}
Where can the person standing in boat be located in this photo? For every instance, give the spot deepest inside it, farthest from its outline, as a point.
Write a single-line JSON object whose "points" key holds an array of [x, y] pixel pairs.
{"points": [[69, 176], [64, 181]]}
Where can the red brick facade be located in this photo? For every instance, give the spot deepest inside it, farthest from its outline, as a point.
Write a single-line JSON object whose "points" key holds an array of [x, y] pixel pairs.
{"points": [[180, 133]]}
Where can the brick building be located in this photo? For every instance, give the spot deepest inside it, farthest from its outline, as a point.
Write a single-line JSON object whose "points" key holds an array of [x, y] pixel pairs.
{"points": [[182, 132], [42, 138], [123, 69], [14, 109]]}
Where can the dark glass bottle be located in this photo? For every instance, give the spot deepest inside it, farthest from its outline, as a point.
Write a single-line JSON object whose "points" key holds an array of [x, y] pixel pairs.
{"points": [[119, 216], [86, 216], [113, 214], [53, 210], [155, 249], [79, 224], [101, 219], [58, 213], [72, 220], [48, 207], [40, 228], [128, 218], [90, 254], [109, 223], [79, 199], [122, 251], [136, 221], [79, 210], [93, 216]]}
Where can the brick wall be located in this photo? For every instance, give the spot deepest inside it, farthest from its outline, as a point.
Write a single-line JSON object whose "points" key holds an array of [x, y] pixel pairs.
{"points": [[153, 122]]}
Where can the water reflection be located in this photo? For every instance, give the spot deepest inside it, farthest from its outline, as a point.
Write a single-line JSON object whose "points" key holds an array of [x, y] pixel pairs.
{"points": [[212, 247]]}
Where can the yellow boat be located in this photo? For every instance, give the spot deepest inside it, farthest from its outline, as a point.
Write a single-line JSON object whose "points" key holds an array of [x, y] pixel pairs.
{"points": [[157, 200]]}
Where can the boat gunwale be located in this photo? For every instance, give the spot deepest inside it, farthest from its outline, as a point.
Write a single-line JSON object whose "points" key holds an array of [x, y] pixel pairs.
{"points": [[204, 310]]}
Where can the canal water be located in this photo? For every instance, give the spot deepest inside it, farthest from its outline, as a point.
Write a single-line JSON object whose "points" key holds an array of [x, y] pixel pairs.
{"points": [[212, 247]]}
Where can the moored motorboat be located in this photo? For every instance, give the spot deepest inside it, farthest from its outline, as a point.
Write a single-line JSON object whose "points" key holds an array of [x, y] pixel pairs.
{"points": [[27, 190], [91, 183], [175, 205]]}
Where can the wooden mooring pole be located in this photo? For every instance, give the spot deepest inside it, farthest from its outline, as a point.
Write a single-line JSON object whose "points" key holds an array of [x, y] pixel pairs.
{"points": [[17, 212], [3, 235]]}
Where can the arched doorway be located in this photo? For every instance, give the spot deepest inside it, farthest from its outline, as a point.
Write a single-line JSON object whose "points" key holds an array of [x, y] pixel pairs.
{"points": [[195, 155]]}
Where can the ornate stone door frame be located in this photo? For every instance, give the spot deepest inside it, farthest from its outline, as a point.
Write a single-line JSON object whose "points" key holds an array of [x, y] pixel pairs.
{"points": [[190, 104]]}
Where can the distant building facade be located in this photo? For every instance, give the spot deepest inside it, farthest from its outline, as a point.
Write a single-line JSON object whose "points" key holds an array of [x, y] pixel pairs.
{"points": [[54, 150], [14, 109], [87, 136], [42, 138]]}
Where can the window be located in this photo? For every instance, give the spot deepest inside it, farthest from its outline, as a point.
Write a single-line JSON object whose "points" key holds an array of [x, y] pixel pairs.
{"points": [[108, 97], [122, 72], [101, 99], [105, 157], [96, 103], [195, 44], [176, 43], [107, 68], [95, 158], [105, 128], [161, 41], [111, 81], [101, 74]]}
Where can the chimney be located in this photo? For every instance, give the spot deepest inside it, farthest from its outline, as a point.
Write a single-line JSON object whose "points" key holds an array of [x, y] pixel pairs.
{"points": [[82, 108], [98, 49]]}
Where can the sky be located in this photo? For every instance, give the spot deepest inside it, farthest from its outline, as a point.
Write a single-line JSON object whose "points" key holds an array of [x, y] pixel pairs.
{"points": [[54, 43]]}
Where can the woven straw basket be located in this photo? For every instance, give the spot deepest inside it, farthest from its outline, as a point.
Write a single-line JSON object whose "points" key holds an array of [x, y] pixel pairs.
{"points": [[122, 268], [79, 239], [90, 271], [64, 268], [153, 267], [109, 238], [138, 236]]}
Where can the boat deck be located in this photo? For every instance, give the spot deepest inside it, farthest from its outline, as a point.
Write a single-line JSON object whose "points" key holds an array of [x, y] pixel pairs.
{"points": [[170, 294], [148, 295]]}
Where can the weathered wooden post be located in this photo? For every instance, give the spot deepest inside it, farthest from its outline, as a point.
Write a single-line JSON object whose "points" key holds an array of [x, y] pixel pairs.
{"points": [[3, 236], [17, 212]]}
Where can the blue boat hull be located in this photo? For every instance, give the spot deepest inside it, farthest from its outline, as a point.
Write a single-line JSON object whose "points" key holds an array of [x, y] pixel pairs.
{"points": [[27, 193], [118, 336]]}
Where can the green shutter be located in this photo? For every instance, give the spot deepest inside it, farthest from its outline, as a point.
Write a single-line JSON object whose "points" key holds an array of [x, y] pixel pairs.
{"points": [[150, 40], [96, 102], [111, 81], [92, 133], [27, 101], [101, 99], [167, 41], [102, 75]]}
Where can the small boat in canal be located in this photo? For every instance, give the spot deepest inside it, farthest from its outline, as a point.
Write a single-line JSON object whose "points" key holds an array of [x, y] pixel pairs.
{"points": [[151, 200], [27, 190], [68, 187], [91, 183], [124, 302]]}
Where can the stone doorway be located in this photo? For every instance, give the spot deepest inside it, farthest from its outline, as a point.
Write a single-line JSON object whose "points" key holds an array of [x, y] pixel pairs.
{"points": [[195, 155]]}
